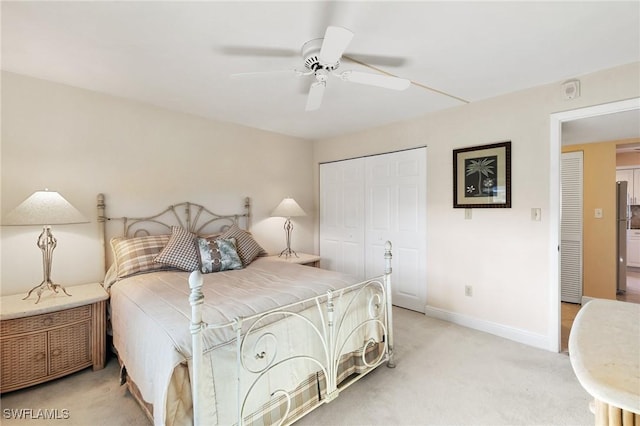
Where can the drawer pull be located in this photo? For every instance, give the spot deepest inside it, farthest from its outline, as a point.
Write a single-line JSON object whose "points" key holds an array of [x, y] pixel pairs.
{"points": [[39, 356], [56, 352], [47, 321]]}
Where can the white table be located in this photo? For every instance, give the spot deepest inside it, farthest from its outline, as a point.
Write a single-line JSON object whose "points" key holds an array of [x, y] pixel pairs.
{"points": [[604, 348]]}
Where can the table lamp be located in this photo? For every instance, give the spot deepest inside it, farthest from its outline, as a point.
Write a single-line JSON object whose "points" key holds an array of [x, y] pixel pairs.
{"points": [[288, 208], [45, 208]]}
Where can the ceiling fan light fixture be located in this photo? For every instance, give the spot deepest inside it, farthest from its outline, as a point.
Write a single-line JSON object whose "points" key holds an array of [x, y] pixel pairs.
{"points": [[322, 75]]}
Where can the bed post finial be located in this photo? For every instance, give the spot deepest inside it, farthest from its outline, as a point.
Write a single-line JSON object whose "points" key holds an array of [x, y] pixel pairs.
{"points": [[102, 232], [101, 217], [387, 257], [196, 299], [247, 212], [387, 285]]}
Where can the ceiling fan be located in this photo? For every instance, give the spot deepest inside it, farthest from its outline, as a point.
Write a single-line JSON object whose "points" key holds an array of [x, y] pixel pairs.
{"points": [[322, 60]]}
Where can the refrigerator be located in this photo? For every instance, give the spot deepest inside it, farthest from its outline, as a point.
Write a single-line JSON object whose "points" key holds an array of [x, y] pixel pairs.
{"points": [[622, 224]]}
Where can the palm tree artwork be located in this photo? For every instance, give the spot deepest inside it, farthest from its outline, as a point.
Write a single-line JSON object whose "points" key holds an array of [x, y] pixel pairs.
{"points": [[480, 179]]}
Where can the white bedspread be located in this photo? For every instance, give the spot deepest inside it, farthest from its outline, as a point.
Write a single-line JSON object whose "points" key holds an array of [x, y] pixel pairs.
{"points": [[151, 314]]}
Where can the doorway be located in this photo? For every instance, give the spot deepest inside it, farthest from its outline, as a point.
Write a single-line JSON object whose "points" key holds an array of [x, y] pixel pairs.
{"points": [[556, 121]]}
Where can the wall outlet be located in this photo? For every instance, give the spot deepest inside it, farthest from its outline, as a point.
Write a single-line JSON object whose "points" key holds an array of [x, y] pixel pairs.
{"points": [[468, 290]]}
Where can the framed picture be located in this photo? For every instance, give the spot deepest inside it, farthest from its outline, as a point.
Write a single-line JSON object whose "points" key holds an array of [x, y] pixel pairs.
{"points": [[482, 176]]}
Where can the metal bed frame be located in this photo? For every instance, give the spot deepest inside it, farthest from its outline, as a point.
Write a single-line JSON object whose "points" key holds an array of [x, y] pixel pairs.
{"points": [[327, 316]]}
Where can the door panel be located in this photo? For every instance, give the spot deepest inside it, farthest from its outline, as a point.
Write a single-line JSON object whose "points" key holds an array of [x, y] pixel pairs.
{"points": [[396, 211], [341, 212]]}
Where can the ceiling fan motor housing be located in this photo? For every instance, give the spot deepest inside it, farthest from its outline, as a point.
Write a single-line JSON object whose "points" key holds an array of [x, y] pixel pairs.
{"points": [[311, 55]]}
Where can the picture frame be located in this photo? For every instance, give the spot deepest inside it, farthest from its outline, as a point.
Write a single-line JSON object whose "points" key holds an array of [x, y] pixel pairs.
{"points": [[482, 176]]}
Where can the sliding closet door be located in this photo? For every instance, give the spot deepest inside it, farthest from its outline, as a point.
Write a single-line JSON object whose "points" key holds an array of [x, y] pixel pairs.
{"points": [[366, 201], [396, 211], [342, 217]]}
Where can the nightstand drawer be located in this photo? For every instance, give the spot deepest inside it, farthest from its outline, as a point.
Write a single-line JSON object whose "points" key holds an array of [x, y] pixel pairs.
{"points": [[44, 321], [24, 359], [70, 348]]}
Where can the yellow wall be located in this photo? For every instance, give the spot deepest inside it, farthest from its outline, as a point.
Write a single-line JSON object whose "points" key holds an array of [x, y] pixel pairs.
{"points": [[599, 235]]}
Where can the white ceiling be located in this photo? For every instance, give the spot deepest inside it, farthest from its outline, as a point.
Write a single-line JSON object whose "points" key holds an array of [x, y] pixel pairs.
{"points": [[608, 127], [180, 55]]}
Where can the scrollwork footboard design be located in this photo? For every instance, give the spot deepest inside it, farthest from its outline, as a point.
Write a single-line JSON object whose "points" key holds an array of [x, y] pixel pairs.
{"points": [[339, 337]]}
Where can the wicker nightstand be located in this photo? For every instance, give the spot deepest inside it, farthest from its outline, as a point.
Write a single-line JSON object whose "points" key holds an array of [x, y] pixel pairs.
{"points": [[302, 259], [58, 336]]}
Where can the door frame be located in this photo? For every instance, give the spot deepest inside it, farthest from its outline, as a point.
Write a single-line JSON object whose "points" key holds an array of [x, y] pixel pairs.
{"points": [[555, 142]]}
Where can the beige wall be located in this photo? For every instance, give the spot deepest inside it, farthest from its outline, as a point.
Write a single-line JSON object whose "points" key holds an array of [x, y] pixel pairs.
{"points": [[82, 143], [599, 234], [502, 253], [143, 158]]}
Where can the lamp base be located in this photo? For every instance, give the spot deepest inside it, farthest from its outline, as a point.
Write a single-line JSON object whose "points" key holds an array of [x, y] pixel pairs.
{"points": [[46, 242], [287, 253], [46, 285]]}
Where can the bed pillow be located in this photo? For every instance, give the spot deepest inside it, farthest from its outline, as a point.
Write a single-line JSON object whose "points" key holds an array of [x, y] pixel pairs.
{"points": [[248, 249], [218, 255], [181, 251], [135, 255]]}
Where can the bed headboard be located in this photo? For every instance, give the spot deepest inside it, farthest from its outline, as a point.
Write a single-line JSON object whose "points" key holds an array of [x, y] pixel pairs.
{"points": [[191, 216]]}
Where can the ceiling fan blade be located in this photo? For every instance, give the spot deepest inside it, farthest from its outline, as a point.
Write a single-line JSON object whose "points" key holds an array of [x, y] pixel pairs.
{"points": [[275, 52], [384, 60], [384, 81], [336, 40], [314, 99], [265, 73]]}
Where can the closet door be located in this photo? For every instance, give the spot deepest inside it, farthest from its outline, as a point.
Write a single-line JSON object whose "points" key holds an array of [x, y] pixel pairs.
{"points": [[571, 228], [365, 202], [342, 217], [395, 210]]}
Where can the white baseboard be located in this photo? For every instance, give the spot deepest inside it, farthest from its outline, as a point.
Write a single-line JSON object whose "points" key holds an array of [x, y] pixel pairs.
{"points": [[511, 333]]}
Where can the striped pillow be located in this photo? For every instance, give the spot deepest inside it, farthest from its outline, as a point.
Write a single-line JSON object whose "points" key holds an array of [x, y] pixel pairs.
{"points": [[181, 251], [248, 249], [135, 255]]}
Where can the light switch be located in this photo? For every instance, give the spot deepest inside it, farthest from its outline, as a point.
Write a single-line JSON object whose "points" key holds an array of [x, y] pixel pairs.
{"points": [[467, 214], [536, 214], [598, 213]]}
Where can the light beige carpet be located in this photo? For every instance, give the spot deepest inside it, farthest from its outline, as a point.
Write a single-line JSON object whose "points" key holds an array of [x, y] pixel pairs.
{"points": [[445, 375]]}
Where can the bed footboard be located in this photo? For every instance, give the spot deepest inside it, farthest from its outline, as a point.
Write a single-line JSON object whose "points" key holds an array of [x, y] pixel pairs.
{"points": [[349, 332]]}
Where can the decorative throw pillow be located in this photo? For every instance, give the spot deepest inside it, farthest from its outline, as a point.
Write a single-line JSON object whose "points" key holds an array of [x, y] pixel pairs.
{"points": [[135, 255], [181, 250], [248, 249], [218, 255]]}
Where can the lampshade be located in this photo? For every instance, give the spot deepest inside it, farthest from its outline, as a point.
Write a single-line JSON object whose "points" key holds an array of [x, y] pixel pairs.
{"points": [[288, 208], [44, 208]]}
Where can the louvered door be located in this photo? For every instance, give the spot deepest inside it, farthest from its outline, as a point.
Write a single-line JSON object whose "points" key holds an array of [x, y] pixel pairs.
{"points": [[571, 228]]}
